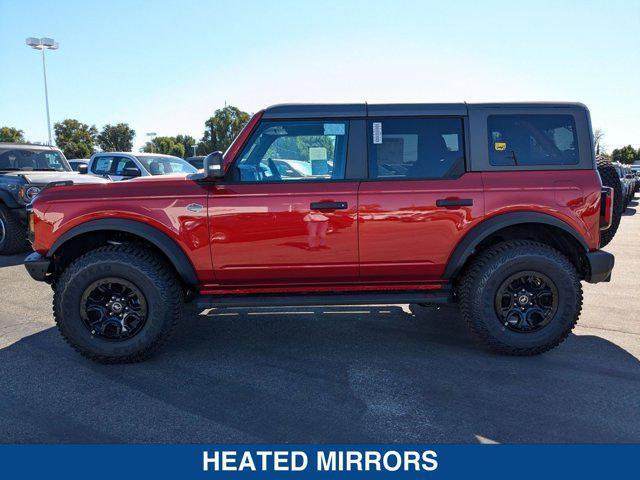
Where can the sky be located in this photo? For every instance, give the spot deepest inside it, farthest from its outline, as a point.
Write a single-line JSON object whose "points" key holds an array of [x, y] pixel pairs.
{"points": [[165, 67]]}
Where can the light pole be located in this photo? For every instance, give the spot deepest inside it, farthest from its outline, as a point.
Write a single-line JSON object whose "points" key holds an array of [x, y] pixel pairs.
{"points": [[151, 136], [195, 147], [44, 44]]}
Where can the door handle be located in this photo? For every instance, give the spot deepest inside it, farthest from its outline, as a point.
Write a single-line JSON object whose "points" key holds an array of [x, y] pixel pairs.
{"points": [[328, 205], [454, 202]]}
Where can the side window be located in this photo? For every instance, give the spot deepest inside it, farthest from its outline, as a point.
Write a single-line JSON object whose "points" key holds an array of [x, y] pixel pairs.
{"points": [[532, 140], [294, 151], [102, 165], [121, 163], [416, 148]]}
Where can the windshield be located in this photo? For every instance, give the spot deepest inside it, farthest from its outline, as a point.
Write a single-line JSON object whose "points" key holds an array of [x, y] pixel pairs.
{"points": [[32, 159], [164, 165]]}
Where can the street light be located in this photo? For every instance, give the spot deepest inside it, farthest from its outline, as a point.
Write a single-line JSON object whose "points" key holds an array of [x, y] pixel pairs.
{"points": [[44, 44], [151, 135]]}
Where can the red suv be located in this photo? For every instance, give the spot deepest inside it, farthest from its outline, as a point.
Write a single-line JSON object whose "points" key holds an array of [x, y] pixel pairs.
{"points": [[498, 207]]}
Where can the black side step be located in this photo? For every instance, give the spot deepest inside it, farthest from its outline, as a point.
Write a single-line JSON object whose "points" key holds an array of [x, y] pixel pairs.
{"points": [[306, 299]]}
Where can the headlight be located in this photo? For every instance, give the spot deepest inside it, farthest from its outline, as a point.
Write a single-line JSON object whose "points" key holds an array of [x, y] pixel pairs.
{"points": [[30, 193]]}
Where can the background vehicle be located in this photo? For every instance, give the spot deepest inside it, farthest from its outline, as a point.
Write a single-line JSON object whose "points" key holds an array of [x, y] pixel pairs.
{"points": [[24, 171], [496, 206], [123, 165], [77, 162], [196, 162]]}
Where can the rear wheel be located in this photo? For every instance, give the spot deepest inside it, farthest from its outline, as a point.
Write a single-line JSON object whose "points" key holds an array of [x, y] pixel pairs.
{"points": [[610, 178], [521, 297], [117, 304], [13, 235]]}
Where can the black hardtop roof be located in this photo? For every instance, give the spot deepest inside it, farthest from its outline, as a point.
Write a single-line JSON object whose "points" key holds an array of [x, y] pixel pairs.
{"points": [[353, 110]]}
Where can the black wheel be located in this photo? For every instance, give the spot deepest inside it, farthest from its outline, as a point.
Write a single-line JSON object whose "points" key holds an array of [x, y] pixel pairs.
{"points": [[610, 178], [521, 297], [13, 235], [117, 304]]}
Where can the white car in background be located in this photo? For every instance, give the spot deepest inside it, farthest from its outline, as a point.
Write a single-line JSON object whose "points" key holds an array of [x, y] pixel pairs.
{"points": [[124, 165]]}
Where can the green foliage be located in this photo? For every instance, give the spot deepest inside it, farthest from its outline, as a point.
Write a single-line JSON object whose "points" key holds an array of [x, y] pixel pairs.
{"points": [[166, 145], [188, 142], [221, 129], [116, 138], [74, 138], [297, 148], [626, 155], [11, 135]]}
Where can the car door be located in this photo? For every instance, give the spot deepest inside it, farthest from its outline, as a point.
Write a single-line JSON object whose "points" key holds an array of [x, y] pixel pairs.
{"points": [[284, 213], [419, 201]]}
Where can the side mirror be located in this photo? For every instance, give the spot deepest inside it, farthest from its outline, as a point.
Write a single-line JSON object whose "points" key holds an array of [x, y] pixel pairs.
{"points": [[83, 169], [213, 166], [131, 172]]}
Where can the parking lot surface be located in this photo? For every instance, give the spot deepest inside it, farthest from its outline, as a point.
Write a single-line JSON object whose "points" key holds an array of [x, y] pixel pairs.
{"points": [[390, 373]]}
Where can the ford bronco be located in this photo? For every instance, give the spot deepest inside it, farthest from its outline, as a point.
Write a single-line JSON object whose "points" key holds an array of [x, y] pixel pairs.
{"points": [[24, 171], [498, 207]]}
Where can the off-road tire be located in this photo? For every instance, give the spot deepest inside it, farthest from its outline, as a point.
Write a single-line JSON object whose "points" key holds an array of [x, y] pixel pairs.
{"points": [[151, 274], [482, 279], [610, 178], [15, 234]]}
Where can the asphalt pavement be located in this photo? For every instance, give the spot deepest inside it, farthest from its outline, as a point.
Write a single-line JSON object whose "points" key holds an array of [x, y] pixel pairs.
{"points": [[388, 373]]}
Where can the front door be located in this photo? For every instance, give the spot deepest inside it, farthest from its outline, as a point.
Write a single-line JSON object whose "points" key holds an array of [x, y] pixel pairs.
{"points": [[418, 202], [284, 213]]}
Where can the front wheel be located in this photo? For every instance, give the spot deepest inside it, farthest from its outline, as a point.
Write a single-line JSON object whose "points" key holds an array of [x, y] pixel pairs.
{"points": [[117, 304], [521, 297]]}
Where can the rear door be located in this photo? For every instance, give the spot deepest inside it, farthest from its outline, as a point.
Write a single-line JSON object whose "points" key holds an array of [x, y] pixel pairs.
{"points": [[419, 201], [285, 214]]}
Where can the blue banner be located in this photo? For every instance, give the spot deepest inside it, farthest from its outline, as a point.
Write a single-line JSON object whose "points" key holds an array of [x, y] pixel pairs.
{"points": [[497, 462]]}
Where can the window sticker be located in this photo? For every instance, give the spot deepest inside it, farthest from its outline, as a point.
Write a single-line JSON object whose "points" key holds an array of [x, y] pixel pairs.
{"points": [[334, 128], [317, 153], [500, 146], [377, 133]]}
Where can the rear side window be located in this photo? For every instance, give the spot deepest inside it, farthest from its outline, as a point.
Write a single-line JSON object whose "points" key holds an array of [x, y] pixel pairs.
{"points": [[523, 140], [416, 148]]}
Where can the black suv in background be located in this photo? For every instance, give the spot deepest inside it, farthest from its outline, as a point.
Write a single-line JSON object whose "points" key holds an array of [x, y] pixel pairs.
{"points": [[24, 171]]}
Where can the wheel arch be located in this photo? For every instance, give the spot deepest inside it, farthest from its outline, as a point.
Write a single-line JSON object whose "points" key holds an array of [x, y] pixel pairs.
{"points": [[160, 240], [514, 225]]}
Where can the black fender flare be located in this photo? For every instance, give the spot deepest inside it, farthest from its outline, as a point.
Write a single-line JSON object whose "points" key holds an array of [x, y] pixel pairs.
{"points": [[160, 239], [8, 200], [468, 244]]}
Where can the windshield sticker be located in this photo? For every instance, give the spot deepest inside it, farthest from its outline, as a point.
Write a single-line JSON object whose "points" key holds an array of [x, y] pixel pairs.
{"points": [[377, 133], [334, 128], [500, 146]]}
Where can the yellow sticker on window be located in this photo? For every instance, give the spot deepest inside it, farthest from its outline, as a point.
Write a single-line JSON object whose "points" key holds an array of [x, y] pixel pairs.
{"points": [[500, 146]]}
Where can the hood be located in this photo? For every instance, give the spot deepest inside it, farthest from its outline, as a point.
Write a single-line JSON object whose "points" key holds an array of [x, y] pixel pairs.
{"points": [[48, 177]]}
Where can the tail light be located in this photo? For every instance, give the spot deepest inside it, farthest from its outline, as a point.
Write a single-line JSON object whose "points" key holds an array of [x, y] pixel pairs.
{"points": [[606, 208]]}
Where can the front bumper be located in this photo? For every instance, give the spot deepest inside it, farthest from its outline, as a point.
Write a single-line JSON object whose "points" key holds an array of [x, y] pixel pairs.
{"points": [[600, 266], [37, 266]]}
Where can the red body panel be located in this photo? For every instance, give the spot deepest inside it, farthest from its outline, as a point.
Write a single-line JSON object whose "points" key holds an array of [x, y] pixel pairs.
{"points": [[572, 196], [404, 236], [157, 201], [266, 234]]}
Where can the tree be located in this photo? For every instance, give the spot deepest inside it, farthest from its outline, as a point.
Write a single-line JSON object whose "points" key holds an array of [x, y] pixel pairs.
{"points": [[75, 139], [188, 142], [598, 136], [166, 145], [116, 138], [11, 135], [222, 128], [626, 155]]}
